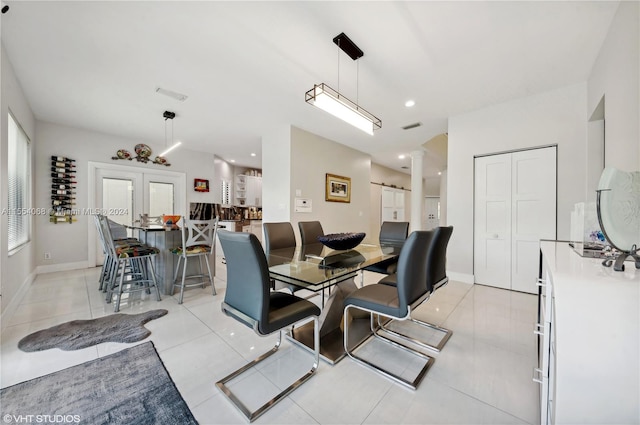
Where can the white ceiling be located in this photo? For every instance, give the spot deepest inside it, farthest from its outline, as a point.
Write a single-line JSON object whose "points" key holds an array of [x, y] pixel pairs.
{"points": [[246, 65]]}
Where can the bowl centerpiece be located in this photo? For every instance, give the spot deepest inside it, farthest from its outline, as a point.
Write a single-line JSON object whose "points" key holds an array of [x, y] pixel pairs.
{"points": [[342, 241], [171, 220]]}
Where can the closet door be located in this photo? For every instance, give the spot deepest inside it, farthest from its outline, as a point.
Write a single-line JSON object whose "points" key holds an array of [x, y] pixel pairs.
{"points": [[515, 207], [533, 214], [492, 239]]}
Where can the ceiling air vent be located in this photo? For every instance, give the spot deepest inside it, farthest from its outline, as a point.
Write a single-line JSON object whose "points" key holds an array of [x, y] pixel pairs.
{"points": [[410, 126], [404, 167]]}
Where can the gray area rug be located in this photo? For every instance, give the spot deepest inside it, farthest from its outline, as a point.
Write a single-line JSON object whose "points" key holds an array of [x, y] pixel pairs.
{"points": [[130, 386], [79, 334]]}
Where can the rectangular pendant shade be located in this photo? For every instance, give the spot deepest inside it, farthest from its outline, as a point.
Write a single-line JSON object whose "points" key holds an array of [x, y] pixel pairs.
{"points": [[329, 100]]}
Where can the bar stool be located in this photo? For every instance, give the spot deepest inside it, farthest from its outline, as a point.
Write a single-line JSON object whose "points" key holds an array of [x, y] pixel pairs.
{"points": [[132, 262], [198, 239]]}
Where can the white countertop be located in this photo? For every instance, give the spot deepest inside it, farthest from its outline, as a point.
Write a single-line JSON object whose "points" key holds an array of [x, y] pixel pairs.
{"points": [[597, 322]]}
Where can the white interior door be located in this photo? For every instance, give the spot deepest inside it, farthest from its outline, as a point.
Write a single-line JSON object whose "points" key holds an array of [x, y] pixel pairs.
{"points": [[533, 212], [124, 193], [515, 207], [492, 239], [432, 212]]}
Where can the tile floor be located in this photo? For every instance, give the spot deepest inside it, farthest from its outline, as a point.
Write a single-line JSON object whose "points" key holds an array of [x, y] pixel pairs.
{"points": [[482, 376]]}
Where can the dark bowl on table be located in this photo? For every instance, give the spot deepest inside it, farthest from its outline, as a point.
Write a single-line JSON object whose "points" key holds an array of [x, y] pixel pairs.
{"points": [[342, 241]]}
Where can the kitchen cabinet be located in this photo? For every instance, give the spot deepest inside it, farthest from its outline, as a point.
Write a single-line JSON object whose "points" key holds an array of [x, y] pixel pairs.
{"points": [[248, 191], [392, 204], [589, 339]]}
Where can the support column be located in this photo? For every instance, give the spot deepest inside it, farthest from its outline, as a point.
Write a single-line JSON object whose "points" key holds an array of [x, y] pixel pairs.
{"points": [[417, 197]]}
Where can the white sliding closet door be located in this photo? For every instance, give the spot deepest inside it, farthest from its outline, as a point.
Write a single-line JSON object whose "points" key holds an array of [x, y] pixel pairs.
{"points": [[492, 241], [515, 207]]}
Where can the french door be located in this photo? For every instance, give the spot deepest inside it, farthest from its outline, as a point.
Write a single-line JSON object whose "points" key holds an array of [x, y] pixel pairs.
{"points": [[515, 207], [124, 193]]}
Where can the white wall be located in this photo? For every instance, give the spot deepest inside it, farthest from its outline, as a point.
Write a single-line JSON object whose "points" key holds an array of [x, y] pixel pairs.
{"points": [[276, 175], [615, 75], [556, 117], [67, 242], [18, 270], [312, 157]]}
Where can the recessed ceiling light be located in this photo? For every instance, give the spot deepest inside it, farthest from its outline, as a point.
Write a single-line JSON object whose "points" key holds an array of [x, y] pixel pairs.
{"points": [[400, 156], [439, 173], [253, 154], [232, 160], [409, 103]]}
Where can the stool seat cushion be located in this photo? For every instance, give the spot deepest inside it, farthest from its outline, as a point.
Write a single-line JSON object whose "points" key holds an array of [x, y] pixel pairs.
{"points": [[286, 309], [129, 251], [380, 298], [193, 250]]}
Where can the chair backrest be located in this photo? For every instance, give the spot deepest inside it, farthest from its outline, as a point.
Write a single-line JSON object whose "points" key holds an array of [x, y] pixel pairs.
{"points": [[248, 283], [105, 230], [278, 235], [309, 231], [198, 232], [103, 243], [412, 270], [437, 258], [393, 232], [118, 231], [146, 220]]}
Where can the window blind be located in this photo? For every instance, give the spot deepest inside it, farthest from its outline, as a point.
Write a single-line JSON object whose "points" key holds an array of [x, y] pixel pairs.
{"points": [[19, 179]]}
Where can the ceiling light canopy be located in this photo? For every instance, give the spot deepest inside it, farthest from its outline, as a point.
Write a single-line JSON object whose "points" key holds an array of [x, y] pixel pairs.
{"points": [[167, 115], [331, 101]]}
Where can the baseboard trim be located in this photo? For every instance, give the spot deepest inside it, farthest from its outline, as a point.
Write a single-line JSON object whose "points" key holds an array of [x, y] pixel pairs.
{"points": [[63, 267], [461, 277], [8, 312]]}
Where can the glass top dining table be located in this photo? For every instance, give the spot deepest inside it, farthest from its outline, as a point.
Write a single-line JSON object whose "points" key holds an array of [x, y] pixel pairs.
{"points": [[316, 267]]}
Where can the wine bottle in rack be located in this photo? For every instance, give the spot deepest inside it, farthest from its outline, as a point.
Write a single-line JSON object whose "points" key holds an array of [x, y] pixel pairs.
{"points": [[63, 176], [63, 197], [62, 192], [63, 164], [57, 203], [62, 170], [62, 159], [68, 180]]}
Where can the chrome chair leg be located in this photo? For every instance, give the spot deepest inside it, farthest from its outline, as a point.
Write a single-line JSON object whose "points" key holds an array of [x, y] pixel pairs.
{"points": [[437, 348], [413, 384], [253, 415]]}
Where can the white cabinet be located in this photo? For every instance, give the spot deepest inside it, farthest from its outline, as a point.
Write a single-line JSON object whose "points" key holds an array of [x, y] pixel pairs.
{"points": [[248, 191], [590, 376], [392, 204]]}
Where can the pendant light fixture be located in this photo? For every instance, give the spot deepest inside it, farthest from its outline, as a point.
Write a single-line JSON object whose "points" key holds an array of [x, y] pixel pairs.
{"points": [[169, 116], [331, 101]]}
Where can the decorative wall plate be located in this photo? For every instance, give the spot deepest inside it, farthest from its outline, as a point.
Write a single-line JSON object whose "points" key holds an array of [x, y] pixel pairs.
{"points": [[619, 207], [143, 150], [123, 154]]}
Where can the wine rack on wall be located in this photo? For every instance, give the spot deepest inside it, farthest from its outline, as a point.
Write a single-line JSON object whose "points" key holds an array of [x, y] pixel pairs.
{"points": [[63, 189]]}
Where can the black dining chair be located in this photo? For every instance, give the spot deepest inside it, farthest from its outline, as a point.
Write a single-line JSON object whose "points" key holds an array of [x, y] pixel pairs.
{"points": [[279, 236], [436, 279], [309, 232], [249, 300], [392, 233], [394, 302]]}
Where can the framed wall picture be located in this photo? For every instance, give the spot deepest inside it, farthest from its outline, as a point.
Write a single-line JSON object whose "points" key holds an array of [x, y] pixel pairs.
{"points": [[337, 189], [201, 185]]}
